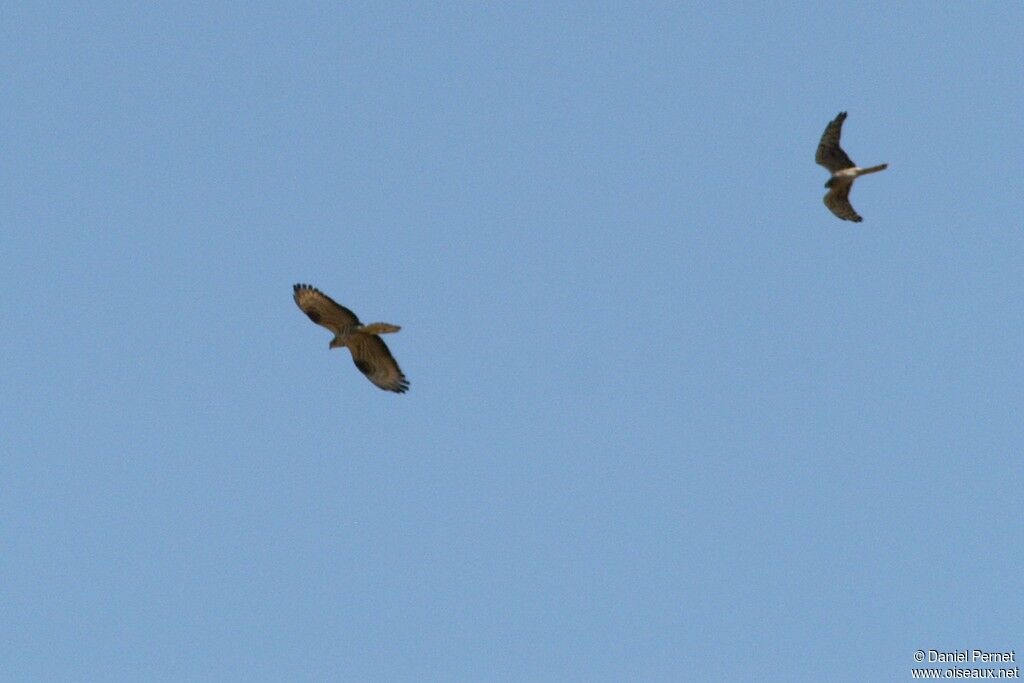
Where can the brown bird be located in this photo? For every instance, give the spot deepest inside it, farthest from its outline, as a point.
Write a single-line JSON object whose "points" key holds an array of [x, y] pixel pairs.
{"points": [[844, 171], [369, 352]]}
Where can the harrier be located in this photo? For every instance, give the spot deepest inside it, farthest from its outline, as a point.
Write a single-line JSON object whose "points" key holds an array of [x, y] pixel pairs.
{"points": [[369, 352], [831, 156]]}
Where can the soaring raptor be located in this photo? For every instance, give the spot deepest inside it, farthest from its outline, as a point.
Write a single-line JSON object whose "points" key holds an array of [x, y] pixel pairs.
{"points": [[831, 156], [370, 353]]}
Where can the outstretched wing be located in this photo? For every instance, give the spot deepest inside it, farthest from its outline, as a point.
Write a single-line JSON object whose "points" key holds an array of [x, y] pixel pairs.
{"points": [[830, 154], [323, 310], [838, 202], [372, 357]]}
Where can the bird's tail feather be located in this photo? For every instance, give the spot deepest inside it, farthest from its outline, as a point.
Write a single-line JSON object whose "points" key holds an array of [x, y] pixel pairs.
{"points": [[873, 169], [379, 328]]}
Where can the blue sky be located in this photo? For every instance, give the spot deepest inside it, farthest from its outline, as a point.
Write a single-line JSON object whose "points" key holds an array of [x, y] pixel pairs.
{"points": [[669, 418]]}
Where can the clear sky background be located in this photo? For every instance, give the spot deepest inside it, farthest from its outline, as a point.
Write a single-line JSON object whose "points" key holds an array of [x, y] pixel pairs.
{"points": [[669, 418]]}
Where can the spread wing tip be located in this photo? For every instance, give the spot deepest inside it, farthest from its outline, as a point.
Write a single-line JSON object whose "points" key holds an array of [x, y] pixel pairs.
{"points": [[400, 385]]}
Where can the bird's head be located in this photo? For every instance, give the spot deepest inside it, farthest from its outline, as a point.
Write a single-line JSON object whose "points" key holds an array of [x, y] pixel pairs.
{"points": [[335, 343], [830, 183]]}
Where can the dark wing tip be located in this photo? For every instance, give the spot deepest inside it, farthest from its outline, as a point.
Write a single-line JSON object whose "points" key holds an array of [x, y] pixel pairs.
{"points": [[311, 312], [400, 385]]}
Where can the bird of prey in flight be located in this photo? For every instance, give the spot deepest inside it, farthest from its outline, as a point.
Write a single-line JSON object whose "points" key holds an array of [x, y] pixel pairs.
{"points": [[369, 352], [844, 171]]}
